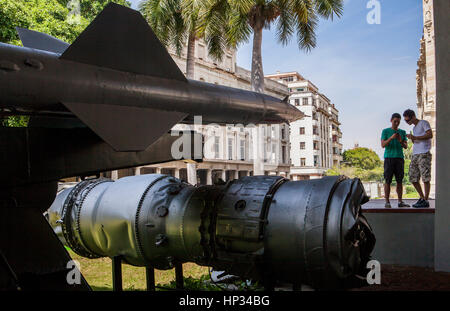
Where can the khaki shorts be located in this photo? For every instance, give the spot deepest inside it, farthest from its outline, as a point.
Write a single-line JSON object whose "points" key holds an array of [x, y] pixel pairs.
{"points": [[420, 166]]}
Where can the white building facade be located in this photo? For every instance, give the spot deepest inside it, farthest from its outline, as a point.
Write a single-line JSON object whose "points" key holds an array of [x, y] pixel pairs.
{"points": [[315, 141]]}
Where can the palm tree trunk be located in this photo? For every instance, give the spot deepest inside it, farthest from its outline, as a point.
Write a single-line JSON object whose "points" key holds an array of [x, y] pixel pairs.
{"points": [[190, 62], [257, 67]]}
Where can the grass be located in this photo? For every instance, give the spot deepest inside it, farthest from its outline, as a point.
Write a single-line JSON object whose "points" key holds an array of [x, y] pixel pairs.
{"points": [[413, 195], [408, 193], [97, 273]]}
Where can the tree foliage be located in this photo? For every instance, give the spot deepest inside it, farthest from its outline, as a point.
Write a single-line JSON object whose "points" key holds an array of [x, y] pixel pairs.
{"points": [[361, 157], [292, 18], [375, 174], [48, 16], [166, 19], [90, 9], [176, 22], [364, 163]]}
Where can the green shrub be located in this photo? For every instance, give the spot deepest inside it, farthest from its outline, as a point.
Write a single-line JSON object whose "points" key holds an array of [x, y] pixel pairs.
{"points": [[410, 189]]}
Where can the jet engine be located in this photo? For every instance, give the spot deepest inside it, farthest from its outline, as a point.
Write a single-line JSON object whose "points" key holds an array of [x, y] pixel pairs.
{"points": [[264, 228]]}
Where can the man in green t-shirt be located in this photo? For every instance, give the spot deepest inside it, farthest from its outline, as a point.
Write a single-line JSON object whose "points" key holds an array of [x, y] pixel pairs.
{"points": [[394, 140]]}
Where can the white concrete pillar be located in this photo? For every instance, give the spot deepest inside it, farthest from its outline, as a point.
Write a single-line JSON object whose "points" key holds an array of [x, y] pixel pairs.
{"points": [[258, 151], [442, 214], [176, 173], [114, 175], [236, 174], [224, 175], [191, 173], [137, 171], [209, 180], [158, 170]]}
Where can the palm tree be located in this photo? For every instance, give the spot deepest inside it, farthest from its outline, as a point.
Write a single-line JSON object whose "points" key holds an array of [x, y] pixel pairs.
{"points": [[244, 17], [175, 21]]}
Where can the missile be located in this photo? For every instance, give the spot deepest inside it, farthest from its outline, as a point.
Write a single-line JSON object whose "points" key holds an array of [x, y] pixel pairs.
{"points": [[119, 80]]}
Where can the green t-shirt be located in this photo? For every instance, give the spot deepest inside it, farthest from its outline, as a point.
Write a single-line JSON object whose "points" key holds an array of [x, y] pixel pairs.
{"points": [[394, 148]]}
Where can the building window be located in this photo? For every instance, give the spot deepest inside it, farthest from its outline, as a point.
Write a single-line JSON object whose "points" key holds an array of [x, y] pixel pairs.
{"points": [[305, 101], [302, 145], [229, 63], [316, 145], [230, 148], [283, 132], [300, 90], [216, 146], [314, 102], [201, 51], [242, 150], [315, 130], [297, 102], [302, 161], [283, 154], [302, 131], [316, 160], [274, 153], [265, 152]]}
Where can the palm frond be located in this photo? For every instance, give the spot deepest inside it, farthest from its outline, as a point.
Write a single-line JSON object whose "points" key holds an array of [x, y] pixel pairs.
{"points": [[285, 22], [329, 8], [165, 18], [213, 26], [239, 29], [306, 32], [242, 6], [302, 9]]}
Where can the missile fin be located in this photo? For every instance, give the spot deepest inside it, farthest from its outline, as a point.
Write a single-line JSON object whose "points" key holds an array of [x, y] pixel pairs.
{"points": [[126, 128], [41, 41], [120, 38]]}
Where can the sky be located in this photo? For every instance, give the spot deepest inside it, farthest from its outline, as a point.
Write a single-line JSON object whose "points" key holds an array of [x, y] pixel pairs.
{"points": [[367, 70]]}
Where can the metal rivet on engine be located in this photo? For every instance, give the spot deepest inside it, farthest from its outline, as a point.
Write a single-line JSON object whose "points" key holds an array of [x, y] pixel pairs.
{"points": [[160, 240], [240, 205], [8, 66], [34, 63], [174, 189], [162, 211]]}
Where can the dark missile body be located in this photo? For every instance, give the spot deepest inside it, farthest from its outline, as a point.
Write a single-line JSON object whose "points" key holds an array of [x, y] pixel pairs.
{"points": [[41, 81], [118, 70]]}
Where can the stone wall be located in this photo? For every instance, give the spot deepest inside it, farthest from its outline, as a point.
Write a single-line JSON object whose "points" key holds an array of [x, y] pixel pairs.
{"points": [[426, 81]]}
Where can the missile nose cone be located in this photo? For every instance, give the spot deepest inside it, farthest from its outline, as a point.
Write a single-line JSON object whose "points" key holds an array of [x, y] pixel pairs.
{"points": [[294, 114], [289, 113], [284, 113]]}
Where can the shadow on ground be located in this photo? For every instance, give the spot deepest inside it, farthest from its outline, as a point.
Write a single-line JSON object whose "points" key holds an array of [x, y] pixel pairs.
{"points": [[405, 278]]}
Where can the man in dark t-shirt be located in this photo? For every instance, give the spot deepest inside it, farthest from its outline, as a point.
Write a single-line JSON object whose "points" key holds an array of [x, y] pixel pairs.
{"points": [[394, 140]]}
